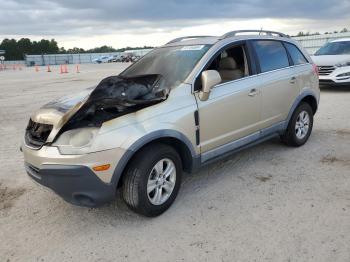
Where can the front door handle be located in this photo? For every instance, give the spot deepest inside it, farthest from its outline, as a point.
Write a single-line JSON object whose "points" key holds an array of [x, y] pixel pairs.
{"points": [[253, 92], [293, 80]]}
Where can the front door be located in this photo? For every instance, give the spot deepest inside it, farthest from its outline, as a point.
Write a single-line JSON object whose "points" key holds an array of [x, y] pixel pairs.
{"points": [[232, 111]]}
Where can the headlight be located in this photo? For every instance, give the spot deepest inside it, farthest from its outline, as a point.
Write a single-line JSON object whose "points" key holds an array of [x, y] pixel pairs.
{"points": [[343, 64], [344, 74], [77, 141]]}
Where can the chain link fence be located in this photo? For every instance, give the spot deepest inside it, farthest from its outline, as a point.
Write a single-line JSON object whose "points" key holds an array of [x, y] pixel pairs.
{"points": [[314, 42], [59, 59]]}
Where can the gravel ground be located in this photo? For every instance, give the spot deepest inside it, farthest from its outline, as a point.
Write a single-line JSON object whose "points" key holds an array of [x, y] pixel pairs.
{"points": [[267, 203]]}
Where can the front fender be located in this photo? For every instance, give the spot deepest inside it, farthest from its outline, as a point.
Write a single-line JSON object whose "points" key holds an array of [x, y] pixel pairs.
{"points": [[138, 144]]}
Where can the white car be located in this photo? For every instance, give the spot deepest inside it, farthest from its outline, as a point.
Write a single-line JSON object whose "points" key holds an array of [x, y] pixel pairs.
{"points": [[102, 59], [333, 61]]}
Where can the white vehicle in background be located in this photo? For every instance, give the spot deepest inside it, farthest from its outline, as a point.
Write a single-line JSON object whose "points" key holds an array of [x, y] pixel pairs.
{"points": [[333, 61], [103, 59]]}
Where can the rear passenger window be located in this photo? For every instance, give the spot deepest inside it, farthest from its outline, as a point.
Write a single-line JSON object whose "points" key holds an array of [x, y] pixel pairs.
{"points": [[271, 54], [297, 57]]}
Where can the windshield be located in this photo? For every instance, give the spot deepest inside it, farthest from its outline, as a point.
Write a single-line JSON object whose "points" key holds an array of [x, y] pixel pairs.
{"points": [[335, 48], [173, 63]]}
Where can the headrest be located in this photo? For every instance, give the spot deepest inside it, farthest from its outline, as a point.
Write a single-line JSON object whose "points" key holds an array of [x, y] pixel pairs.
{"points": [[228, 63]]}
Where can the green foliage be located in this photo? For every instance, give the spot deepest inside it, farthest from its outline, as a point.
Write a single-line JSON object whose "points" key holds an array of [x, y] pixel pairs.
{"points": [[344, 30], [16, 50]]}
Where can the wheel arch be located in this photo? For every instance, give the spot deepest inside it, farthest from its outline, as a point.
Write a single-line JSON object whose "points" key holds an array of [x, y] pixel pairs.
{"points": [[173, 138], [306, 96], [311, 100]]}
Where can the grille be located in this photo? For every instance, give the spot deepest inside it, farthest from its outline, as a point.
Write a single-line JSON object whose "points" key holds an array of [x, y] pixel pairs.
{"points": [[325, 70], [37, 134]]}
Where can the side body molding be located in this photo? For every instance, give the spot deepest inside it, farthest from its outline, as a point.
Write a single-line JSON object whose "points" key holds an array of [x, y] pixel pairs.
{"points": [[165, 133]]}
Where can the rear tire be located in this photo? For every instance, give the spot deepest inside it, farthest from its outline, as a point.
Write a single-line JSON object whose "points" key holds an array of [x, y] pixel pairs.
{"points": [[152, 180], [300, 126]]}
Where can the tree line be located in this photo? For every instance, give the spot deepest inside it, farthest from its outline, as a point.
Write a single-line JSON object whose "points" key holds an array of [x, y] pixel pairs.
{"points": [[17, 49], [344, 30]]}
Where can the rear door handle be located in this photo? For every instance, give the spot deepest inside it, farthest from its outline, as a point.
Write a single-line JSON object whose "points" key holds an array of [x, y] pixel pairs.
{"points": [[253, 92], [293, 80]]}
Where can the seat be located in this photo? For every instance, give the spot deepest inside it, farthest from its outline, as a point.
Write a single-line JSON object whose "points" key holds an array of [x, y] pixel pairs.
{"points": [[229, 70]]}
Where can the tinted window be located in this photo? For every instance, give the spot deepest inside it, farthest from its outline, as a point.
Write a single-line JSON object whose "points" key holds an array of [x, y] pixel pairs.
{"points": [[297, 57], [335, 48], [271, 54]]}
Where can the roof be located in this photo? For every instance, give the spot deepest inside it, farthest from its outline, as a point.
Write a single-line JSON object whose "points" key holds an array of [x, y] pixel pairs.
{"points": [[214, 39], [233, 35]]}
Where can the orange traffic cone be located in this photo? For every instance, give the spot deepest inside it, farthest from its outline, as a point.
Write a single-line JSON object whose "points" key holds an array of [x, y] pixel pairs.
{"points": [[65, 69], [48, 68], [61, 69], [78, 69], [36, 68]]}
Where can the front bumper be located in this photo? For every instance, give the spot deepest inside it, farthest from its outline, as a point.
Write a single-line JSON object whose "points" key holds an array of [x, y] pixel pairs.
{"points": [[335, 78], [77, 185], [72, 176], [50, 155]]}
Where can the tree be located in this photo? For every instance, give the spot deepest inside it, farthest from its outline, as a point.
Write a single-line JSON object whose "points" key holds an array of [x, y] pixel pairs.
{"points": [[16, 50], [10, 47], [75, 50], [102, 49]]}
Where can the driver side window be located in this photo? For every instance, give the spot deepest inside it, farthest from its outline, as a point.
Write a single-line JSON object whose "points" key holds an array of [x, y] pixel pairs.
{"points": [[231, 64]]}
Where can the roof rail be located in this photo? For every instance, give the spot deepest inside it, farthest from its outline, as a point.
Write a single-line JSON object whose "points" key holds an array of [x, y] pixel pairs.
{"points": [[179, 39], [234, 33]]}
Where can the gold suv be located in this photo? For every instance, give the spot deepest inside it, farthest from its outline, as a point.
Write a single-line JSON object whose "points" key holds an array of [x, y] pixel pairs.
{"points": [[181, 106]]}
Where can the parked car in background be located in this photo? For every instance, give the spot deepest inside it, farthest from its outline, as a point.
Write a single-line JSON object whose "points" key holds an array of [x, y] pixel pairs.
{"points": [[127, 57], [181, 106], [102, 59], [333, 61]]}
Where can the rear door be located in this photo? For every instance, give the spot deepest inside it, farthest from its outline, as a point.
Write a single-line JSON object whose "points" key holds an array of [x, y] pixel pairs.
{"points": [[279, 86]]}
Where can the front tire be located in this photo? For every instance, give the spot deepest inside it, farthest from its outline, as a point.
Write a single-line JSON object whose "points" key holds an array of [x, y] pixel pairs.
{"points": [[152, 180], [300, 126]]}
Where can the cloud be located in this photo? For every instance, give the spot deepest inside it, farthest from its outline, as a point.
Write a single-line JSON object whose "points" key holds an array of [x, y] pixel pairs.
{"points": [[103, 17]]}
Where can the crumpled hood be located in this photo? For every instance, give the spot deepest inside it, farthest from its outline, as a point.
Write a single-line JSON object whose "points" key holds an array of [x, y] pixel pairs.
{"points": [[54, 111], [330, 60], [114, 96]]}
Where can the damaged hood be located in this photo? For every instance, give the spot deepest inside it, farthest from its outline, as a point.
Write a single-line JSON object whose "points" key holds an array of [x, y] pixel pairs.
{"points": [[52, 112], [113, 97]]}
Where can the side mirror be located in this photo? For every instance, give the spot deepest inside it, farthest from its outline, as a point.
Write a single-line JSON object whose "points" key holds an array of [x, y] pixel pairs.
{"points": [[209, 78]]}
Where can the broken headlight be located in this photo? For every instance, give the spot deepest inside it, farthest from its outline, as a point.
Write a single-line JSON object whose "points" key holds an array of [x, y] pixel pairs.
{"points": [[76, 141]]}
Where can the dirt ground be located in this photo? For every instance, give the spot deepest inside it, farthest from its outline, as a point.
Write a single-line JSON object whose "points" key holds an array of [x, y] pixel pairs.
{"points": [[267, 203]]}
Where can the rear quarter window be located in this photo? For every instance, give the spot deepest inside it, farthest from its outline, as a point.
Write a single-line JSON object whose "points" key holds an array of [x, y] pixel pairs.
{"points": [[297, 56], [271, 55]]}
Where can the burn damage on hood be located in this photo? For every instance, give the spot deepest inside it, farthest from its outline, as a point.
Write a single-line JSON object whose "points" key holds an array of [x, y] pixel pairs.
{"points": [[115, 96]]}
